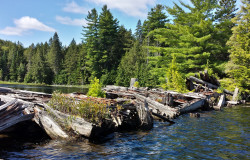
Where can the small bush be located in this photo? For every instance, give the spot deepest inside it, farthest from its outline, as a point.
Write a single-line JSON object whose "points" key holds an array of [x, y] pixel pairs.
{"points": [[136, 84], [88, 109], [95, 89]]}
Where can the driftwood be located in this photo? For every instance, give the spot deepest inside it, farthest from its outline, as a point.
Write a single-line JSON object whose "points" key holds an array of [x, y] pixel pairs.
{"points": [[156, 106], [235, 95], [145, 116], [163, 118], [79, 125], [207, 84], [13, 112], [222, 101], [50, 126], [187, 107]]}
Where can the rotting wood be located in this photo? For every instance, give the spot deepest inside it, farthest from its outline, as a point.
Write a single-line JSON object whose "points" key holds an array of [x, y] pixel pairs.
{"points": [[47, 123], [163, 118], [235, 95], [79, 125], [189, 107], [165, 110], [144, 116], [209, 85], [222, 101]]}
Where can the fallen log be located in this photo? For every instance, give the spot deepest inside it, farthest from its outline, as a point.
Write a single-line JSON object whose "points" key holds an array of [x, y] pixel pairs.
{"points": [[209, 85], [79, 125], [162, 117], [47, 123], [165, 110], [189, 107]]}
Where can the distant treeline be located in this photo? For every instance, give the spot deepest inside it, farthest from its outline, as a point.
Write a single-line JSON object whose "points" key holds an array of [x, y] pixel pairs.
{"points": [[204, 34]]}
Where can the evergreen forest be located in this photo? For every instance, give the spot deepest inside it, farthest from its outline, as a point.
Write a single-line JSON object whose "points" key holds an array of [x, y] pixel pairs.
{"points": [[170, 45]]}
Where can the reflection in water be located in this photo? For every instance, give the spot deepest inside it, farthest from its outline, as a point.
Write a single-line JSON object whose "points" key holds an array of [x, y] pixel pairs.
{"points": [[216, 135], [46, 89]]}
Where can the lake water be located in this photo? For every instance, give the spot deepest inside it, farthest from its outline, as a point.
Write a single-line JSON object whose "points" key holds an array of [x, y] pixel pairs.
{"points": [[46, 89], [215, 135]]}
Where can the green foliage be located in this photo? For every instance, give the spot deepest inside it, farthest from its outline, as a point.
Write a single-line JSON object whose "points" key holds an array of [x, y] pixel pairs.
{"points": [[95, 89], [175, 81], [136, 84], [88, 109], [239, 65], [133, 64]]}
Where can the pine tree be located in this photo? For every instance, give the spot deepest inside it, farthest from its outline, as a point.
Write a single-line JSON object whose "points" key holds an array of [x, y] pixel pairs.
{"points": [[138, 32], [223, 15], [239, 65], [55, 55], [189, 38], [109, 51], [133, 64], [92, 44]]}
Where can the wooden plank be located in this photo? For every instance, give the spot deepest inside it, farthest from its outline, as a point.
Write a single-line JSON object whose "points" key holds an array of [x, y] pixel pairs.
{"points": [[3, 107], [222, 101], [235, 95], [14, 120]]}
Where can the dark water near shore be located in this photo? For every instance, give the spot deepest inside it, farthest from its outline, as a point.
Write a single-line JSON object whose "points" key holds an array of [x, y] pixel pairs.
{"points": [[46, 89], [215, 135]]}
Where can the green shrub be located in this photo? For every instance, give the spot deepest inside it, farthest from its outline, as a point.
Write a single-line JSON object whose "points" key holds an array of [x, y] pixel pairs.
{"points": [[175, 81], [95, 89], [88, 109], [136, 84]]}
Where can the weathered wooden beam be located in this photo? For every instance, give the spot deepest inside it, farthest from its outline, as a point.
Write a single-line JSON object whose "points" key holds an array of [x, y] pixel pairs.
{"points": [[197, 80], [162, 117], [189, 107], [222, 101], [235, 95], [4, 106], [209, 85], [79, 125], [47, 123], [144, 115], [165, 110], [14, 120]]}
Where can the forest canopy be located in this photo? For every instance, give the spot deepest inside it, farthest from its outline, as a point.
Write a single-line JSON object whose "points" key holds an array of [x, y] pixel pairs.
{"points": [[205, 33]]}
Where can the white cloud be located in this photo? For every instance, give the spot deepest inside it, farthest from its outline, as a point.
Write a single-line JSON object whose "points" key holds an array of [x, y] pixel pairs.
{"points": [[25, 24], [137, 8], [73, 7], [69, 21]]}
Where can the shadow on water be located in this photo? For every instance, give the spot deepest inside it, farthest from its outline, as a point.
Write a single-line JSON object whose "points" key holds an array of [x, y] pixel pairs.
{"points": [[216, 135], [46, 89]]}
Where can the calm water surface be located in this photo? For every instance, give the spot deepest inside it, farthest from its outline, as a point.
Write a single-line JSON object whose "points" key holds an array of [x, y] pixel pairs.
{"points": [[215, 135], [46, 89]]}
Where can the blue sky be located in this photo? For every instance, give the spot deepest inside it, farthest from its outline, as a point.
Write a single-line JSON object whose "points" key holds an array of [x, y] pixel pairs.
{"points": [[35, 21]]}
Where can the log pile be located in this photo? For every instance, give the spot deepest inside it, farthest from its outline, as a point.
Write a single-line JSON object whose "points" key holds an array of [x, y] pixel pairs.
{"points": [[17, 106], [208, 82]]}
